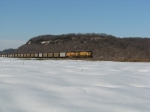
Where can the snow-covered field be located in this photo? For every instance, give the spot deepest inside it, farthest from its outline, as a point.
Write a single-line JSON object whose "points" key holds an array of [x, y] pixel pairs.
{"points": [[73, 86]]}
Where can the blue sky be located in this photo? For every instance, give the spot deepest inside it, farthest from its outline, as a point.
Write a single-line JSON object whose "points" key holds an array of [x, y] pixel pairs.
{"points": [[21, 20]]}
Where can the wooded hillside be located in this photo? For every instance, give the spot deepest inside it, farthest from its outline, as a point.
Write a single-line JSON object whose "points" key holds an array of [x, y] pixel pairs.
{"points": [[103, 46]]}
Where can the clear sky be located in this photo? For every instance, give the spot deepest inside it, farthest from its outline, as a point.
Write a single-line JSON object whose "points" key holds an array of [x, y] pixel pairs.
{"points": [[21, 20]]}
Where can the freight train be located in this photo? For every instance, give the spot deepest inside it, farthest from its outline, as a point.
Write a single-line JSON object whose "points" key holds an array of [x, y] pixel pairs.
{"points": [[72, 54]]}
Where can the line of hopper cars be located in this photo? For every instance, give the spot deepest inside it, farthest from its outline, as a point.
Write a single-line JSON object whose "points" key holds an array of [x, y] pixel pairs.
{"points": [[72, 54]]}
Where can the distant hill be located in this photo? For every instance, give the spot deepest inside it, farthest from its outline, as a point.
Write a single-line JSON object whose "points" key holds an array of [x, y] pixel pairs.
{"points": [[7, 51], [103, 46]]}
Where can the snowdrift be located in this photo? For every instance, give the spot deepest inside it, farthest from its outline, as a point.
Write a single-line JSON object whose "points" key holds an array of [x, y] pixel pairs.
{"points": [[73, 86]]}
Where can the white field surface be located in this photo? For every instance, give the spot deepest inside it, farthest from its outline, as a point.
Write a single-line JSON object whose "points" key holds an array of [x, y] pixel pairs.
{"points": [[73, 86]]}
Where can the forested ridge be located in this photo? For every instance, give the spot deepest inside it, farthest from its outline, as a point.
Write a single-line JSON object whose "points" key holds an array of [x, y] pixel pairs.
{"points": [[103, 46]]}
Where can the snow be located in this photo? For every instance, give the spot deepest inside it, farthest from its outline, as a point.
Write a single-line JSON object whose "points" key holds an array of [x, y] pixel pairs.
{"points": [[73, 86]]}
